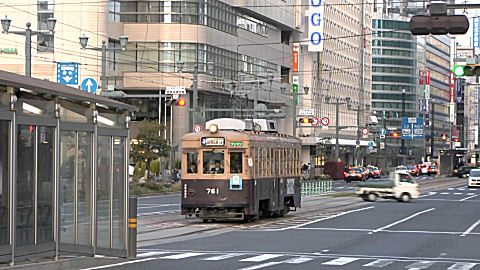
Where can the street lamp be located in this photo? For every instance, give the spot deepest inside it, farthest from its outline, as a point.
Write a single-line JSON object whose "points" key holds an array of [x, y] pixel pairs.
{"points": [[179, 65], [28, 33], [123, 44]]}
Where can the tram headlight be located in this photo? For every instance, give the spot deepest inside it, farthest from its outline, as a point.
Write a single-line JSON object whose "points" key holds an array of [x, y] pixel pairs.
{"points": [[213, 128]]}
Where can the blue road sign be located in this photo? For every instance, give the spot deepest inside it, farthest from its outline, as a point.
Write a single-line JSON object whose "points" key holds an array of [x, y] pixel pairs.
{"points": [[89, 85], [357, 142], [412, 128], [383, 131], [67, 73], [370, 144]]}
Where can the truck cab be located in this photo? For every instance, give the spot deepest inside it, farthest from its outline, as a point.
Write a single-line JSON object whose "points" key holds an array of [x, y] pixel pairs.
{"points": [[402, 187]]}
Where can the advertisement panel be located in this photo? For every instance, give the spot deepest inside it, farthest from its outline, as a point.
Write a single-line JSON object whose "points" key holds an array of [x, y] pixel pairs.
{"points": [[315, 26]]}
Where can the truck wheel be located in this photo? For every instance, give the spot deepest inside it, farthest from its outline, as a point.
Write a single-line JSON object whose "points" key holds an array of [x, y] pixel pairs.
{"points": [[405, 197], [372, 197]]}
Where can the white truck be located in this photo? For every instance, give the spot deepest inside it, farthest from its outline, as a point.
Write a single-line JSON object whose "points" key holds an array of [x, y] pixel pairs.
{"points": [[402, 187]]}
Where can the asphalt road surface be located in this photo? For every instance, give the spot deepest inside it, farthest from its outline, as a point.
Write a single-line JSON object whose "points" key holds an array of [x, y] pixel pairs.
{"points": [[440, 230]]}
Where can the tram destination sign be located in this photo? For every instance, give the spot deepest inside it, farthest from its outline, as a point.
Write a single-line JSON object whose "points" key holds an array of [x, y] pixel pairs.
{"points": [[213, 141]]}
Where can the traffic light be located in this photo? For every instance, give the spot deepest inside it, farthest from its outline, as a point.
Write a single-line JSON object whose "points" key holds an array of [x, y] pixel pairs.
{"points": [[305, 120], [467, 70], [456, 140], [181, 102], [439, 25], [176, 101], [395, 135], [444, 136]]}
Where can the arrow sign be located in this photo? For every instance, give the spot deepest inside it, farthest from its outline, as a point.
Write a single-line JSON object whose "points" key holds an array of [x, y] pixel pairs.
{"points": [[89, 85]]}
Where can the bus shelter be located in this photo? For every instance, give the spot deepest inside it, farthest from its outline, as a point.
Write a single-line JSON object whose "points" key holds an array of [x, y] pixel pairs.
{"points": [[63, 171]]}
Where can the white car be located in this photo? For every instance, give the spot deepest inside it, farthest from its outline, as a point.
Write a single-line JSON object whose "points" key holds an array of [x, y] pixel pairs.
{"points": [[401, 169], [474, 178]]}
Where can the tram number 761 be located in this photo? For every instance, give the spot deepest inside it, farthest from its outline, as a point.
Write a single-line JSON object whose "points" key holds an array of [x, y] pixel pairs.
{"points": [[212, 191]]}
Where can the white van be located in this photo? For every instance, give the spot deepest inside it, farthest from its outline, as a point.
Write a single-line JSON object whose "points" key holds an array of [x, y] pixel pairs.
{"points": [[474, 178]]}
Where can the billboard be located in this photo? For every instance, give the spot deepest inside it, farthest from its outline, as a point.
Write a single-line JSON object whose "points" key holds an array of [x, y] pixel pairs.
{"points": [[315, 26]]}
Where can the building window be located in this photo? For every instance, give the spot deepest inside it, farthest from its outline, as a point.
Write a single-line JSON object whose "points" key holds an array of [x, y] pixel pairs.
{"points": [[251, 24], [45, 41], [113, 55]]}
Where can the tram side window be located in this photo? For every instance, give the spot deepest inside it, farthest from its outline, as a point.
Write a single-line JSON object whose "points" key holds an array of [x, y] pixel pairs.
{"points": [[213, 162], [192, 159], [255, 151], [236, 162]]}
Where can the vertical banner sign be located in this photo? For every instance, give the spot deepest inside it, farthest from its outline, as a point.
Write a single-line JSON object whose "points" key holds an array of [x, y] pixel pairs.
{"points": [[315, 26], [458, 85], [296, 55], [476, 32], [427, 84], [420, 77], [295, 88], [452, 87]]}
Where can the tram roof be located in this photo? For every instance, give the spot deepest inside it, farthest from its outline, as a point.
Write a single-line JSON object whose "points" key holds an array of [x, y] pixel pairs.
{"points": [[240, 135]]}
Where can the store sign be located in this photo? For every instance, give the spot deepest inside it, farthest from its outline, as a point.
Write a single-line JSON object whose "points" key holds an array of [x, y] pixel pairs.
{"points": [[296, 56], [452, 87], [427, 77], [315, 26], [8, 51], [213, 141]]}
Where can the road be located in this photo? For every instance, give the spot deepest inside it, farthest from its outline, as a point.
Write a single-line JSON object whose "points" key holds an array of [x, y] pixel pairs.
{"points": [[440, 230]]}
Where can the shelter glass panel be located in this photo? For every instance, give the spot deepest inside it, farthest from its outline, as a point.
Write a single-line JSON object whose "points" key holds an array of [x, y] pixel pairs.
{"points": [[103, 191], [67, 186], [45, 183], [24, 234], [118, 216], [4, 186], [84, 187]]}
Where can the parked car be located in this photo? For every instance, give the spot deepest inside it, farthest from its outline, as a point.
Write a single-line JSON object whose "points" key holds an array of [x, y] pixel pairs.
{"points": [[413, 170], [432, 169], [464, 171], [474, 178], [354, 174]]}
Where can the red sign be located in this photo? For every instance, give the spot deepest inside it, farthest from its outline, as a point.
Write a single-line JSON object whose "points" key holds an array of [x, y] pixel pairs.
{"points": [[427, 77], [420, 76], [296, 55], [452, 87]]}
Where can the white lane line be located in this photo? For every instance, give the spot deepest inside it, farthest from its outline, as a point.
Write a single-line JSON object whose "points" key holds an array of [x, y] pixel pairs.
{"points": [[388, 231], [400, 221], [450, 188], [471, 193], [380, 263], [298, 260], [118, 264], [258, 266], [261, 258], [457, 193], [341, 261], [222, 257], [419, 265], [182, 256], [464, 199], [335, 229], [462, 266], [150, 254], [469, 230], [429, 194], [445, 193], [461, 188], [325, 218]]}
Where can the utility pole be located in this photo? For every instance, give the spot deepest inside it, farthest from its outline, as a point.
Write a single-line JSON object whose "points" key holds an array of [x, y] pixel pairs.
{"points": [[195, 94], [432, 137], [404, 152], [337, 130]]}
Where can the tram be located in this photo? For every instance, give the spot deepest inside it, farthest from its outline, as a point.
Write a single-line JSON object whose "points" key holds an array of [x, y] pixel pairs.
{"points": [[233, 172]]}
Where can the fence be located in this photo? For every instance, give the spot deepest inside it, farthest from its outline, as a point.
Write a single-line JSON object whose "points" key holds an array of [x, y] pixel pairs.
{"points": [[310, 188]]}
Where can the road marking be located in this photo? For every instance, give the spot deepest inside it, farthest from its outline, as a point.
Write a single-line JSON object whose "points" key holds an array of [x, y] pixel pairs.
{"points": [[450, 189], [380, 263], [462, 266], [388, 231], [457, 193], [119, 264], [341, 261], [400, 221], [263, 265], [182, 256], [471, 193], [464, 199], [429, 194], [445, 193], [298, 260], [461, 188], [419, 265], [150, 254], [325, 218], [335, 229], [469, 230], [261, 258], [222, 257]]}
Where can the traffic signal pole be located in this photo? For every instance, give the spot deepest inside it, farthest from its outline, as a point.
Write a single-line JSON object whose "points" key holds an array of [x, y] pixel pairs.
{"points": [[403, 115], [337, 130], [432, 125]]}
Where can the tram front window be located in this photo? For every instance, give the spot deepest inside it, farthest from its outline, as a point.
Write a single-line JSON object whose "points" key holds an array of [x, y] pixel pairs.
{"points": [[192, 163], [213, 162], [236, 164]]}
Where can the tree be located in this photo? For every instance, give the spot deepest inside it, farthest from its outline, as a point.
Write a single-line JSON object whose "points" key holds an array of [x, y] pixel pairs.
{"points": [[149, 146]]}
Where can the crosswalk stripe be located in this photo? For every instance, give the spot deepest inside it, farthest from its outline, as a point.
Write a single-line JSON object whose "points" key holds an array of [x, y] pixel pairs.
{"points": [[380, 263], [419, 265], [458, 193], [299, 260], [470, 194], [258, 266], [461, 188], [150, 254], [261, 258], [222, 257], [444, 193], [450, 189], [182, 256], [341, 261], [462, 266]]}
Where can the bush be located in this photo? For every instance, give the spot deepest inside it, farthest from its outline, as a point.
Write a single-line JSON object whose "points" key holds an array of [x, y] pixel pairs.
{"points": [[150, 187]]}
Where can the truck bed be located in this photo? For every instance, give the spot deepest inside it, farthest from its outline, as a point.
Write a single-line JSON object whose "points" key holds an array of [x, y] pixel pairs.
{"points": [[381, 184]]}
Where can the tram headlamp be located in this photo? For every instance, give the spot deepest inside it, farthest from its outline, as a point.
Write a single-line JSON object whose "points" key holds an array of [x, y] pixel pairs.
{"points": [[213, 128]]}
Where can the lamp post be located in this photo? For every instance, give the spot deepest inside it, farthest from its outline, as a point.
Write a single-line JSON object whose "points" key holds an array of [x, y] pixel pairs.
{"points": [[104, 49], [294, 94], [404, 152], [28, 33]]}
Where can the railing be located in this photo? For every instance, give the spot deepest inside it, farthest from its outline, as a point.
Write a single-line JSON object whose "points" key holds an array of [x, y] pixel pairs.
{"points": [[310, 188]]}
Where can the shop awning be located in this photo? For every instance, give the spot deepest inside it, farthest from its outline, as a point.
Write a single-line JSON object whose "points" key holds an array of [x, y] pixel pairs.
{"points": [[345, 142]]}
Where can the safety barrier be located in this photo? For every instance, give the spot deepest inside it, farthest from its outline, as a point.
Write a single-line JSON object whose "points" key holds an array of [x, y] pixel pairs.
{"points": [[310, 188]]}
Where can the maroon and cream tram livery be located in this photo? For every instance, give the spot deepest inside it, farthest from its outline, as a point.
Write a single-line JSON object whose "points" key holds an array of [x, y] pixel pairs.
{"points": [[232, 172]]}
